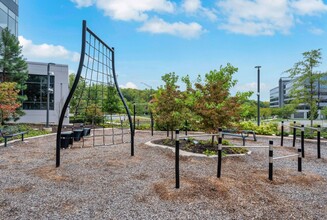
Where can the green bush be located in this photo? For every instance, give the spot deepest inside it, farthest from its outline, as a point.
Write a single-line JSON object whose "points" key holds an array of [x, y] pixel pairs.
{"points": [[264, 128]]}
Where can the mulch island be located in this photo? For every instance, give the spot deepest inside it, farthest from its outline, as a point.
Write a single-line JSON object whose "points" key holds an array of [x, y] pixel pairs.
{"points": [[202, 146]]}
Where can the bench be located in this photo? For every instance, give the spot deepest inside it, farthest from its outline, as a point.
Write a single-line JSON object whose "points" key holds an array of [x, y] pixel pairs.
{"points": [[11, 132], [242, 134]]}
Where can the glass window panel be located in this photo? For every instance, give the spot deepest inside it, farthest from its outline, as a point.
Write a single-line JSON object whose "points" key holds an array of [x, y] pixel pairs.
{"points": [[11, 14], [3, 19], [3, 7], [36, 92], [12, 25]]}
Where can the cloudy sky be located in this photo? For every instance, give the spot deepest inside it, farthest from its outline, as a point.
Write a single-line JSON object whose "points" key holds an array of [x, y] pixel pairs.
{"points": [[154, 37]]}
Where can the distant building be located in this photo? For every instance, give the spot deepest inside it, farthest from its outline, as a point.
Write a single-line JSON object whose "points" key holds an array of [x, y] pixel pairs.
{"points": [[9, 15], [274, 97], [280, 96], [36, 104]]}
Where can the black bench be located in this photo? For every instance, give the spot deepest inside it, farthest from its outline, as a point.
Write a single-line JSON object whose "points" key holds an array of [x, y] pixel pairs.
{"points": [[10, 133], [242, 134]]}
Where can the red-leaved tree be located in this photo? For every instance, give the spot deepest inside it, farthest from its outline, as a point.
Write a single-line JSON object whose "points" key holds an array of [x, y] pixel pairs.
{"points": [[8, 100]]}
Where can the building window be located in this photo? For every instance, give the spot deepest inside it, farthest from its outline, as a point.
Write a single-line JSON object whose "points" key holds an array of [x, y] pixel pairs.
{"points": [[3, 19], [36, 93]]}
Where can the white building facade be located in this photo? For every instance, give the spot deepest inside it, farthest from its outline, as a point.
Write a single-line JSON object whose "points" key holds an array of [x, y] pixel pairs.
{"points": [[35, 107]]}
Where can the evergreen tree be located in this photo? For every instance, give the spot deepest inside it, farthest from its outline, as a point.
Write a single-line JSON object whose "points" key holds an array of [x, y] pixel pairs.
{"points": [[305, 81], [13, 67], [12, 64]]}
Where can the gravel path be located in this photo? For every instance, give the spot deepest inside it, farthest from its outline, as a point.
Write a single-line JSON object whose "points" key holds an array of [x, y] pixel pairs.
{"points": [[107, 183]]}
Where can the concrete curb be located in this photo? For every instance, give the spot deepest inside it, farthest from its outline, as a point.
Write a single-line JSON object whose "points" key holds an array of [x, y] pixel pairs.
{"points": [[28, 138]]}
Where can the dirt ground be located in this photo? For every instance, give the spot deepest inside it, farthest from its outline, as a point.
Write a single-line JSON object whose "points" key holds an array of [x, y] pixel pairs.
{"points": [[107, 183]]}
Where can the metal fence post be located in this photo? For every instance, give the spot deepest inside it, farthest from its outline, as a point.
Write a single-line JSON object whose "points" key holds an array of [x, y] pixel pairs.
{"points": [[271, 160], [219, 153], [152, 123], [282, 134], [299, 160], [294, 133], [177, 158], [302, 140], [134, 116], [318, 142]]}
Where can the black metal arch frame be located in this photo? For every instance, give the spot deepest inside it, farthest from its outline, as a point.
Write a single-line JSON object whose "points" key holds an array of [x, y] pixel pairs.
{"points": [[103, 56]]}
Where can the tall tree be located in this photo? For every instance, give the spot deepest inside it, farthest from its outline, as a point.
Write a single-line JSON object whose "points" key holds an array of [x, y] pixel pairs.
{"points": [[13, 67], [213, 101], [305, 79], [168, 103]]}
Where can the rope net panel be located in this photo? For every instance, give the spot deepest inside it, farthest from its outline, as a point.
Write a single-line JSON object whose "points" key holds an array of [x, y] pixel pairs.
{"points": [[95, 100]]}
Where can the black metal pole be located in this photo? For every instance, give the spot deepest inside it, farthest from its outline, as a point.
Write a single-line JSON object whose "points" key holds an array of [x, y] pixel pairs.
{"points": [[186, 127], [177, 158], [318, 142], [134, 116], [167, 131], [258, 94], [152, 123], [294, 133], [219, 153], [271, 160], [299, 160], [282, 135], [302, 140]]}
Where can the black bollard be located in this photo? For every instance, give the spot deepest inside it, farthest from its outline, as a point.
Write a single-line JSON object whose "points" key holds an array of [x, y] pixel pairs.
{"points": [[294, 133], [271, 160], [219, 153], [302, 140], [152, 123], [282, 135], [177, 159], [299, 160], [134, 116], [318, 142]]}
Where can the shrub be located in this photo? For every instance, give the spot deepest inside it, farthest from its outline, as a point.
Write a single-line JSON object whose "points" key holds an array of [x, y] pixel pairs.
{"points": [[264, 129]]}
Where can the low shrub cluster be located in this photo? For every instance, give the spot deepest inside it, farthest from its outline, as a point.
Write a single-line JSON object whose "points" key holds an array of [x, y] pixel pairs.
{"points": [[264, 129]]}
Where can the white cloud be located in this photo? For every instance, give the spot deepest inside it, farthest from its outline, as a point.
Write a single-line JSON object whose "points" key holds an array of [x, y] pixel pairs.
{"points": [[195, 7], [191, 5], [309, 7], [159, 26], [252, 87], [128, 85], [128, 9], [34, 51], [83, 3], [266, 17], [317, 31], [258, 17]]}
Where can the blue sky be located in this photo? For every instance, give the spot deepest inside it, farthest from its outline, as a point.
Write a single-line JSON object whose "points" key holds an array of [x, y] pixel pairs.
{"points": [[154, 37]]}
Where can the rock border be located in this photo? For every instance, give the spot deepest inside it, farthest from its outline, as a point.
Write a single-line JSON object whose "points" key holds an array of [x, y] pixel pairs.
{"points": [[190, 154]]}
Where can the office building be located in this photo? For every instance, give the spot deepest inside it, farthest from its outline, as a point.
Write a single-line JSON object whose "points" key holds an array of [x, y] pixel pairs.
{"points": [[35, 107], [9, 15], [280, 96]]}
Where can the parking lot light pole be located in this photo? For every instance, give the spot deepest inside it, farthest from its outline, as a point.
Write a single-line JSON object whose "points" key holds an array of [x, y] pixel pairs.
{"points": [[48, 93], [258, 94]]}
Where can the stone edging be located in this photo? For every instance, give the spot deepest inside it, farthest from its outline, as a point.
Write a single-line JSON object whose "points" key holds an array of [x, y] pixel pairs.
{"points": [[188, 154]]}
